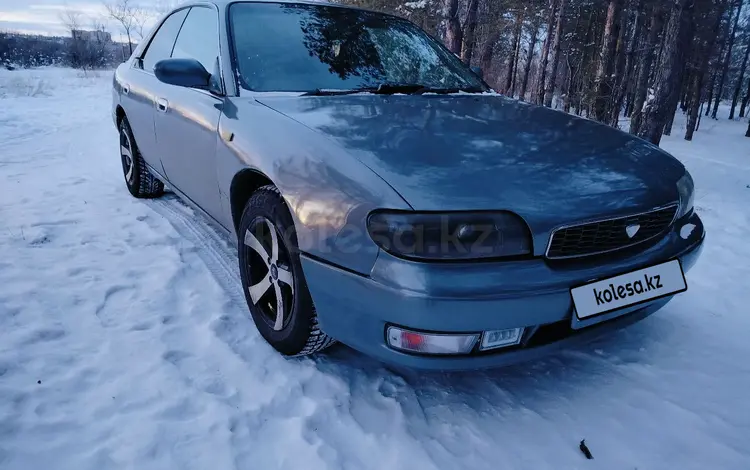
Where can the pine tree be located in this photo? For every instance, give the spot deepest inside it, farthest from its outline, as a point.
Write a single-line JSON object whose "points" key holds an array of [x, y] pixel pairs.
{"points": [[453, 31], [645, 66], [529, 58], [706, 37], [603, 82], [550, 89], [667, 80], [544, 60], [470, 30], [740, 79], [728, 59]]}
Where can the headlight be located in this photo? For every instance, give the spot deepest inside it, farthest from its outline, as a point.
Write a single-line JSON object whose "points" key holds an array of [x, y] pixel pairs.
{"points": [[686, 190], [450, 236]]}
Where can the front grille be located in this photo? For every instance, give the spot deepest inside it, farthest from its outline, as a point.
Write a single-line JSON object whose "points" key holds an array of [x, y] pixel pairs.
{"points": [[608, 235]]}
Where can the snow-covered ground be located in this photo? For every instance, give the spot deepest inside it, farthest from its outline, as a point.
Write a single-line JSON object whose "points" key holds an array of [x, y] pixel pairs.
{"points": [[125, 340]]}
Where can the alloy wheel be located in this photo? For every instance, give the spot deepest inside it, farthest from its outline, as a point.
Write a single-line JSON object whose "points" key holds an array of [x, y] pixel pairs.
{"points": [[126, 152], [271, 280]]}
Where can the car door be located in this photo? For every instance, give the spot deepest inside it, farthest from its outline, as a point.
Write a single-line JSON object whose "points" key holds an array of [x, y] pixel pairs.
{"points": [[187, 119], [140, 84]]}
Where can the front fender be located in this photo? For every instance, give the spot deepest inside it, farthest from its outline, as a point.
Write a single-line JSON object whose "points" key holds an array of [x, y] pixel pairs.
{"points": [[329, 193]]}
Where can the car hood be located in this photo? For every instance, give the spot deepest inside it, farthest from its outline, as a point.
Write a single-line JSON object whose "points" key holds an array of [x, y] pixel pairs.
{"points": [[488, 152]]}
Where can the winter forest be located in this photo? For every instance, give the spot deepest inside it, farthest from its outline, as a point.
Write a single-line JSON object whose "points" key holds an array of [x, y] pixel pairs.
{"points": [[604, 59]]}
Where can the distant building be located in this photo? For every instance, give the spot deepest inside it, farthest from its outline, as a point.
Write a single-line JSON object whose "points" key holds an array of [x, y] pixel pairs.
{"points": [[92, 36]]}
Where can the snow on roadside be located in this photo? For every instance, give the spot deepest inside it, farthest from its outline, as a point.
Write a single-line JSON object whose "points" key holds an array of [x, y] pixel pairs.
{"points": [[125, 343]]}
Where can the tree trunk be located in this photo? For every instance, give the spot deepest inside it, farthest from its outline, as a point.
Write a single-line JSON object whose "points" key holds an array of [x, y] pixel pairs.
{"points": [[725, 69], [529, 58], [715, 71], [603, 81], [453, 32], [740, 79], [695, 105], [550, 89], [588, 57], [485, 60], [516, 62], [745, 100], [569, 90], [747, 134], [706, 43], [622, 56], [644, 68], [514, 55], [667, 77], [632, 71], [674, 103], [629, 104], [539, 99], [711, 86], [686, 40], [685, 93], [467, 50]]}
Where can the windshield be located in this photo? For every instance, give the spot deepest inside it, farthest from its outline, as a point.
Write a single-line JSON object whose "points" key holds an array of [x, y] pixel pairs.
{"points": [[296, 47]]}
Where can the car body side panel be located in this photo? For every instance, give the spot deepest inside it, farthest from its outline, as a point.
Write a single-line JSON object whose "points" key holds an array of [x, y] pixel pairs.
{"points": [[328, 193], [186, 134]]}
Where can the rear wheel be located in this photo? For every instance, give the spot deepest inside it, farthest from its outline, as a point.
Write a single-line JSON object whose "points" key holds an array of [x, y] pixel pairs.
{"points": [[272, 278], [141, 183]]}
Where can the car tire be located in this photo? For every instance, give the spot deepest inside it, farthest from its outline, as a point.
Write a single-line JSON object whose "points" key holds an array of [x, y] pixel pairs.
{"points": [[141, 183], [270, 269]]}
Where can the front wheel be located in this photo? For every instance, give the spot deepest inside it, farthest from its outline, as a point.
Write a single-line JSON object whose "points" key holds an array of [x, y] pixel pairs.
{"points": [[272, 278]]}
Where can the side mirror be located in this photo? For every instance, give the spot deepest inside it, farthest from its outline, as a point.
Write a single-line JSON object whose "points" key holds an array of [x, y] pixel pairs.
{"points": [[477, 70], [187, 73]]}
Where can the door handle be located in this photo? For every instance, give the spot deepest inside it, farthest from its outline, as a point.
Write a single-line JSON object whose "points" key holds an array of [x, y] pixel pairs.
{"points": [[162, 105]]}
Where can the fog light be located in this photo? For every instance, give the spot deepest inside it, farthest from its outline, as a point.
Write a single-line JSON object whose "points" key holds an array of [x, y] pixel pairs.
{"points": [[430, 343], [686, 231], [501, 338]]}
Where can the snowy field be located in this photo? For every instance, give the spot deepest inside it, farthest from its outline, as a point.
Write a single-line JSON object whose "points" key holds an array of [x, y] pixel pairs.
{"points": [[125, 341]]}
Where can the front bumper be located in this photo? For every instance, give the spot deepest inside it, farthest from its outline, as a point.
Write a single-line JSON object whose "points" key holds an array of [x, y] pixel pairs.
{"points": [[475, 297]]}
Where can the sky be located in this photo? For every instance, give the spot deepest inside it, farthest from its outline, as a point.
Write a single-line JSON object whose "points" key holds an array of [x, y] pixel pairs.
{"points": [[43, 16]]}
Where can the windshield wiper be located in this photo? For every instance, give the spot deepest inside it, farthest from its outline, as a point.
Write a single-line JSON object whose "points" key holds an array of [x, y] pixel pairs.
{"points": [[334, 92], [449, 91], [393, 89], [382, 89]]}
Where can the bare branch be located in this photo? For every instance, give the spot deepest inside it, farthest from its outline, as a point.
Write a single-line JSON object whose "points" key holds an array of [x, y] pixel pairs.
{"points": [[71, 19], [126, 14]]}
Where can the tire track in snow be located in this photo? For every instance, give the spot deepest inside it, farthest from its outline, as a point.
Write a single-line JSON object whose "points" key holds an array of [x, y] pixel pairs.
{"points": [[234, 326], [258, 389], [213, 248], [281, 386]]}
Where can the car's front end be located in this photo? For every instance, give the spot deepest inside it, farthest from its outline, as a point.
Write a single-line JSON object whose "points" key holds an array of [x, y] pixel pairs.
{"points": [[467, 315], [569, 204]]}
